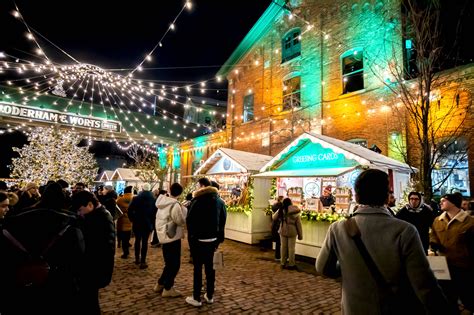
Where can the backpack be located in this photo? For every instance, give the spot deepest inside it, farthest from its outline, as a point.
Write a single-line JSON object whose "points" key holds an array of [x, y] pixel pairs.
{"points": [[35, 270]]}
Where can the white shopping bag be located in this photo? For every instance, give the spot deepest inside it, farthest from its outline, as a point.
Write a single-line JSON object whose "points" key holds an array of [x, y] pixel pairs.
{"points": [[218, 260], [439, 265]]}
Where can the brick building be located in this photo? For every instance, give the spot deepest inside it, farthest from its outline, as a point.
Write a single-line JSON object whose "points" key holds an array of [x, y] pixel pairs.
{"points": [[323, 66]]}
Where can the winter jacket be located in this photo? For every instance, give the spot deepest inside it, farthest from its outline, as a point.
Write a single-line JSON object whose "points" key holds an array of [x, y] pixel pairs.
{"points": [[142, 211], [35, 229], [123, 223], [454, 239], [109, 201], [206, 217], [395, 247], [422, 218], [99, 235], [171, 215], [290, 226]]}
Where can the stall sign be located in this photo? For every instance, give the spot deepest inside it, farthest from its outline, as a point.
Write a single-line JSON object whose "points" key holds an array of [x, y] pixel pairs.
{"points": [[225, 165], [313, 155], [53, 116]]}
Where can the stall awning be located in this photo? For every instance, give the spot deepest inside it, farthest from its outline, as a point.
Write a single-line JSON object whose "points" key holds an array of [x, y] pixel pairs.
{"points": [[306, 172], [229, 161]]}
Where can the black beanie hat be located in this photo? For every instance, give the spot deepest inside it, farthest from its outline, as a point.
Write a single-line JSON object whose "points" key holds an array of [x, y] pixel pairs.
{"points": [[455, 199]]}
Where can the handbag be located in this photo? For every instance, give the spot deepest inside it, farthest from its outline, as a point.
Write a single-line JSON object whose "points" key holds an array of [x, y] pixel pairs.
{"points": [[218, 260], [171, 229], [388, 303]]}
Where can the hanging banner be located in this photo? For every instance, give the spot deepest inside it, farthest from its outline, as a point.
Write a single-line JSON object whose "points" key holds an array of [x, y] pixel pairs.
{"points": [[53, 116]]}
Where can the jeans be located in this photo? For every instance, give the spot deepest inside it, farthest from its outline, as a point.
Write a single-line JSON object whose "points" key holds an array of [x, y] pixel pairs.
{"points": [[172, 257], [288, 250], [124, 239], [141, 242], [203, 254]]}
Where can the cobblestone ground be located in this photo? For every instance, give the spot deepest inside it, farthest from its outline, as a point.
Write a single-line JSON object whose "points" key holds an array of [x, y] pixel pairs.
{"points": [[252, 283]]}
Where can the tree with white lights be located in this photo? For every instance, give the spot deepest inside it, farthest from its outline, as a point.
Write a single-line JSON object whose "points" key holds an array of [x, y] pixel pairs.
{"points": [[54, 154]]}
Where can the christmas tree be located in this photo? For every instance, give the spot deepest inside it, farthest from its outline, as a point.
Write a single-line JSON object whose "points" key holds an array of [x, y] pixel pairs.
{"points": [[53, 154]]}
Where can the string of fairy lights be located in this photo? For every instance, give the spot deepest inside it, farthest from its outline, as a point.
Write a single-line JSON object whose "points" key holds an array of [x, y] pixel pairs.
{"points": [[105, 82], [130, 95]]}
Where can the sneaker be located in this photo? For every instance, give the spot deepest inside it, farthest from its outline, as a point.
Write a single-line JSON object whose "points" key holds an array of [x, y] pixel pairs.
{"points": [[124, 256], [137, 261], [208, 300], [158, 288], [143, 266], [190, 300], [171, 293], [292, 267]]}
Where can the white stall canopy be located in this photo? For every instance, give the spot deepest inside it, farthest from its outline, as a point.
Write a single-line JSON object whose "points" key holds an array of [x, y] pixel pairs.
{"points": [[228, 161], [125, 174]]}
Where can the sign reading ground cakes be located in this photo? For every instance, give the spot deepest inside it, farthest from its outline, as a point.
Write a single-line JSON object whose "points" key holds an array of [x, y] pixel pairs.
{"points": [[315, 156], [53, 116]]}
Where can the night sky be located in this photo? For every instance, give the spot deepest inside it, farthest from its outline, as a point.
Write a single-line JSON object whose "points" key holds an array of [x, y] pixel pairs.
{"points": [[119, 34]]}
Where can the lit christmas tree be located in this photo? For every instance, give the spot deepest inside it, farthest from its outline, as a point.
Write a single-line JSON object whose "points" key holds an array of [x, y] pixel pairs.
{"points": [[53, 154]]}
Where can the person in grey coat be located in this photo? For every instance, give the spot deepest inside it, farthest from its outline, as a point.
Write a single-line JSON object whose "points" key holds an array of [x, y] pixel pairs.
{"points": [[395, 248]]}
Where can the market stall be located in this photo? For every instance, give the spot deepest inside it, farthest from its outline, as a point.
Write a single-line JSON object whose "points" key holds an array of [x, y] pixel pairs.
{"points": [[245, 197], [317, 173]]}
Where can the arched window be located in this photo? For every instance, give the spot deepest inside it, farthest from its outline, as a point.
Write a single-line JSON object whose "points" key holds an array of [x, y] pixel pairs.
{"points": [[290, 45], [352, 70]]}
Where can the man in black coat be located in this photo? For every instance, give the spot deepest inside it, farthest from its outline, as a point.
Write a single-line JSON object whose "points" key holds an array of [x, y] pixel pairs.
{"points": [[142, 212], [206, 223], [420, 215], [99, 235]]}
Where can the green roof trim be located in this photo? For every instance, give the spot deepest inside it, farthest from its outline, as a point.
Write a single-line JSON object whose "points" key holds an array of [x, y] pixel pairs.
{"points": [[274, 11]]}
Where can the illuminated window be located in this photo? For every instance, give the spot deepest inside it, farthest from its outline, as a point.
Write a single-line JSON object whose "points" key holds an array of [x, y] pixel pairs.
{"points": [[411, 70], [291, 93], [248, 107], [451, 173], [290, 45], [352, 70]]}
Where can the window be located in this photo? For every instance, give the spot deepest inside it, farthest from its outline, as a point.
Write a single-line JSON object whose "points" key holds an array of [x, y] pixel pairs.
{"points": [[452, 171], [291, 93], [248, 107], [290, 45], [411, 71], [352, 71]]}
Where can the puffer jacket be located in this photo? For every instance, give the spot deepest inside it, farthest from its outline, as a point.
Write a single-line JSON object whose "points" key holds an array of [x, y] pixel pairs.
{"points": [[454, 239], [170, 212], [291, 224], [123, 223]]}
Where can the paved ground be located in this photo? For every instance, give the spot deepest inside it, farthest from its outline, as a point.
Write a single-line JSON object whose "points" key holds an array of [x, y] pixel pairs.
{"points": [[252, 283]]}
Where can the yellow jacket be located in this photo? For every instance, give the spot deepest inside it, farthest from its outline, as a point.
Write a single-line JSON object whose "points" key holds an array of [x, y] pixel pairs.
{"points": [[455, 239]]}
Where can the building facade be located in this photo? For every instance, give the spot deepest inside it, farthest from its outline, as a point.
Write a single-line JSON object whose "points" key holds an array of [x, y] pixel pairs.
{"points": [[328, 67]]}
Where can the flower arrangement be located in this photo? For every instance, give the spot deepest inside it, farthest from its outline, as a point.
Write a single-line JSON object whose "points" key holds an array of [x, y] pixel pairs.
{"points": [[322, 216], [273, 192]]}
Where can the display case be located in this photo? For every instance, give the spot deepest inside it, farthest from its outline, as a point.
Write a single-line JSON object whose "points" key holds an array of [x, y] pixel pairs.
{"points": [[343, 197], [296, 195]]}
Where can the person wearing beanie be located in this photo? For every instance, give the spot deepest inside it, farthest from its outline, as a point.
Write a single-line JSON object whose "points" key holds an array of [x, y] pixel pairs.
{"points": [[420, 215], [452, 235]]}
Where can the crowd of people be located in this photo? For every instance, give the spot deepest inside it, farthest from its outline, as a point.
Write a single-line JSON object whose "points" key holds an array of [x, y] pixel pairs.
{"points": [[381, 254], [58, 243]]}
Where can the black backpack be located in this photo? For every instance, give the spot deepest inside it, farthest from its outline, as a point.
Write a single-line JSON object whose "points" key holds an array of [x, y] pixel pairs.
{"points": [[35, 270]]}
